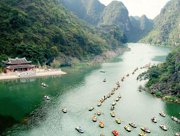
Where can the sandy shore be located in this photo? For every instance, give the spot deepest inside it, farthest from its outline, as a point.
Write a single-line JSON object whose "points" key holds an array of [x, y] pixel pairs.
{"points": [[32, 74]]}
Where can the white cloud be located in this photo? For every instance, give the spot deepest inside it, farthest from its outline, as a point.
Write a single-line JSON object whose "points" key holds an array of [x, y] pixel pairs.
{"points": [[151, 8]]}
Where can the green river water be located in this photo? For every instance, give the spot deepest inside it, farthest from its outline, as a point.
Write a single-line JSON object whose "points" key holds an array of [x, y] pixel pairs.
{"points": [[80, 90]]}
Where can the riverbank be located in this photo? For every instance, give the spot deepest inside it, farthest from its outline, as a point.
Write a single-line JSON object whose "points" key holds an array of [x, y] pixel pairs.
{"points": [[80, 90], [32, 74], [166, 97], [77, 66]]}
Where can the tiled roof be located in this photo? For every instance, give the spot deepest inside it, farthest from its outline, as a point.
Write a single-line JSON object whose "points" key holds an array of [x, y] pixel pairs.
{"points": [[17, 61]]}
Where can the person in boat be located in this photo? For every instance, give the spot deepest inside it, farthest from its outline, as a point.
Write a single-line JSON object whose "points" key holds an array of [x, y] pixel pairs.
{"points": [[115, 133], [127, 128], [133, 125], [145, 129], [79, 129], [163, 127], [101, 124], [154, 120], [94, 119], [162, 114]]}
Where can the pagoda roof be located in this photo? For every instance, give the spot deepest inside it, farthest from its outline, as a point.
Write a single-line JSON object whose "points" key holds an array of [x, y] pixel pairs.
{"points": [[17, 61]]}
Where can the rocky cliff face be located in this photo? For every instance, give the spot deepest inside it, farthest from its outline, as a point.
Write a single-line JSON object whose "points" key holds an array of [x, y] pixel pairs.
{"points": [[116, 14], [167, 26], [88, 10], [113, 15], [140, 27]]}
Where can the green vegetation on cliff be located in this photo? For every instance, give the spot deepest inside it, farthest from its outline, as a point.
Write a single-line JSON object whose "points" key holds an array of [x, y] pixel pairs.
{"points": [[164, 79], [43, 29], [114, 15], [167, 26]]}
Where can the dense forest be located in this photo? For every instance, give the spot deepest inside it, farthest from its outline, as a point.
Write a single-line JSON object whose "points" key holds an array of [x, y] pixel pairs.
{"points": [[42, 30], [164, 79]]}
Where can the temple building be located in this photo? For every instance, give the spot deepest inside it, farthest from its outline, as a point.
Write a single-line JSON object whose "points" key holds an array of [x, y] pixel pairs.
{"points": [[18, 64]]}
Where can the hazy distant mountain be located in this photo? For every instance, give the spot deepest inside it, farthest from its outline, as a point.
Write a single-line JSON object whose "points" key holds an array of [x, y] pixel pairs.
{"points": [[114, 15], [140, 27], [167, 25], [89, 10]]}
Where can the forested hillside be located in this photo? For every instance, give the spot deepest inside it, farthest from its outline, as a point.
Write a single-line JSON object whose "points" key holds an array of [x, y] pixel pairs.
{"points": [[167, 26], [164, 79], [43, 29]]}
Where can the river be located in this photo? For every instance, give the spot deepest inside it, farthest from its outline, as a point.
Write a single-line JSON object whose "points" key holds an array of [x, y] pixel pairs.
{"points": [[80, 90]]}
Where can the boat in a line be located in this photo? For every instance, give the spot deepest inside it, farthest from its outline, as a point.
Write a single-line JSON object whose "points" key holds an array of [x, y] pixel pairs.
{"points": [[99, 104], [154, 120], [163, 127], [101, 124], [162, 114], [79, 129], [114, 103], [127, 128], [117, 99], [115, 133], [132, 125], [145, 129], [118, 120], [94, 119], [112, 108], [98, 113], [91, 108], [119, 96], [142, 134], [113, 114], [175, 119]]}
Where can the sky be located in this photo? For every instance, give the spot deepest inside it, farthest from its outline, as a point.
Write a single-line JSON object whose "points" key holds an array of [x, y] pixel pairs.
{"points": [[150, 8]]}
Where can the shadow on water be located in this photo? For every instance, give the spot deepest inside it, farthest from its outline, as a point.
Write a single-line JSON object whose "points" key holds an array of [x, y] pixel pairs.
{"points": [[24, 98], [6, 122], [172, 109]]}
